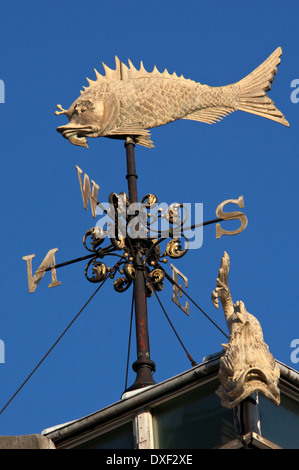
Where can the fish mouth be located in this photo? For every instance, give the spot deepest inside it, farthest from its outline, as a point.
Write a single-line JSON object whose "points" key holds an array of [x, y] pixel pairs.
{"points": [[77, 134], [252, 380], [255, 373], [249, 378]]}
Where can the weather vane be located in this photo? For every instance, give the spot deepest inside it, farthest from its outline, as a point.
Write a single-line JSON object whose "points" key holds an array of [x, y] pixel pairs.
{"points": [[127, 102], [124, 104]]}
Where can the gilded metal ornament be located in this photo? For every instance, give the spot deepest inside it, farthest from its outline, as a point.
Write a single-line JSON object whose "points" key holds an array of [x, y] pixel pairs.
{"points": [[122, 284], [119, 217], [118, 243], [129, 271], [124, 246], [156, 277], [120, 203], [127, 102], [231, 216], [174, 248], [149, 289], [177, 290], [149, 201], [88, 194], [99, 271], [97, 237], [34, 280]]}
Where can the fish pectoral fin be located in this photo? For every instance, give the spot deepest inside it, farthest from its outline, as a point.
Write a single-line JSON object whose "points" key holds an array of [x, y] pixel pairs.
{"points": [[141, 135], [209, 115]]}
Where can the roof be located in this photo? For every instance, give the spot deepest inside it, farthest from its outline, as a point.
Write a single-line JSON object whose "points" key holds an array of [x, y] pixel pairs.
{"points": [[132, 401]]}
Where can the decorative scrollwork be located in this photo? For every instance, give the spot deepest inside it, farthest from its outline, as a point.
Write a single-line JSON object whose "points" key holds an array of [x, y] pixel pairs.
{"points": [[173, 214], [156, 278], [149, 250], [96, 235], [149, 201], [120, 203], [129, 271], [118, 243], [154, 252], [116, 234], [149, 289], [174, 248], [122, 284], [99, 271]]}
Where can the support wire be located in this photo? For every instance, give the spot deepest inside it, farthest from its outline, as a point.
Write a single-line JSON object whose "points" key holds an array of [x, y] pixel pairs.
{"points": [[193, 363], [129, 345], [194, 303], [56, 342]]}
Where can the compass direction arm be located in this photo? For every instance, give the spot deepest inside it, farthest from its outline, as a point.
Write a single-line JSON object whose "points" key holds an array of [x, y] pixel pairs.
{"points": [[72, 261], [203, 224]]}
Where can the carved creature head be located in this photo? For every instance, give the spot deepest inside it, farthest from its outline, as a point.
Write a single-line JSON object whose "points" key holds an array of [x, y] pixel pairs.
{"points": [[247, 365], [89, 116]]}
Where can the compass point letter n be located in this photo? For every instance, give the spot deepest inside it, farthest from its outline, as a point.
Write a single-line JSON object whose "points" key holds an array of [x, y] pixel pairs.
{"points": [[49, 260]]}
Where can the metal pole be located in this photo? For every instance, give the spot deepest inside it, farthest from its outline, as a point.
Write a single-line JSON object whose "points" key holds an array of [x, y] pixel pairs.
{"points": [[143, 366], [131, 170], [246, 415]]}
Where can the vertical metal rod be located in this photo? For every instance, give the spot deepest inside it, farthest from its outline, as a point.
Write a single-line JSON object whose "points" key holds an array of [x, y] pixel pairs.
{"points": [[246, 416], [131, 170], [143, 366]]}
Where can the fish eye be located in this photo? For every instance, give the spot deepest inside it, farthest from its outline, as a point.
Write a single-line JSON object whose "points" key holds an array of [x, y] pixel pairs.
{"points": [[79, 108], [83, 106]]}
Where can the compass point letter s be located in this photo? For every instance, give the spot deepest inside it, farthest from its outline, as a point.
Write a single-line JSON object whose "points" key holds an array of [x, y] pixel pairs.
{"points": [[231, 216]]}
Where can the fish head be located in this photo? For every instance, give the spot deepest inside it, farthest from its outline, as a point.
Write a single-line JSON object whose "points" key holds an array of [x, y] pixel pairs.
{"points": [[87, 118], [247, 367], [246, 380]]}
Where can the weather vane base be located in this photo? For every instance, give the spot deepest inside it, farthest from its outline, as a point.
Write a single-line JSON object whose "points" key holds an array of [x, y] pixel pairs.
{"points": [[144, 370]]}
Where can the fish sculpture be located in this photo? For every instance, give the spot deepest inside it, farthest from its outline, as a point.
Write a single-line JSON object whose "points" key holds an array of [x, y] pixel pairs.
{"points": [[247, 365], [128, 102]]}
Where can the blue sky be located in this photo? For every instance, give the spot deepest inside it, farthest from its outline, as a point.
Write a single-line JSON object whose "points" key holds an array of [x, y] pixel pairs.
{"points": [[47, 50]]}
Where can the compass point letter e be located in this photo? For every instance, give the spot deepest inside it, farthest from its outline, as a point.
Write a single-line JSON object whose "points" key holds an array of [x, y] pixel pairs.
{"points": [[177, 289], [49, 260]]}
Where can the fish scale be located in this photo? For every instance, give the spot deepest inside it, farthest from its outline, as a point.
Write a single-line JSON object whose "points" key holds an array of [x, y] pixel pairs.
{"points": [[158, 102]]}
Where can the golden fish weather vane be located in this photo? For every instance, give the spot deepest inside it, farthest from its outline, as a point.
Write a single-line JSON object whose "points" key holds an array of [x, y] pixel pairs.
{"points": [[124, 104], [127, 101]]}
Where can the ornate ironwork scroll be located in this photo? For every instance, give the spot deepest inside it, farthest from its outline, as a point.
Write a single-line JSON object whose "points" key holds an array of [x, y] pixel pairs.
{"points": [[124, 244]]}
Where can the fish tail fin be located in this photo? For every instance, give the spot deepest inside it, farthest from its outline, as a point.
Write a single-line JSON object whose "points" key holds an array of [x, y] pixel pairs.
{"points": [[253, 98]]}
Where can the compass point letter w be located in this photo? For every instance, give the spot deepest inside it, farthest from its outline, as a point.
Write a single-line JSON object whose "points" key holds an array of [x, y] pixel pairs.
{"points": [[87, 193]]}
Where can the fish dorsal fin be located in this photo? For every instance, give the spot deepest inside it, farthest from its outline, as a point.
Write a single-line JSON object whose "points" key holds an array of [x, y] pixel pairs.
{"points": [[123, 72], [110, 74]]}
